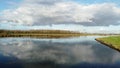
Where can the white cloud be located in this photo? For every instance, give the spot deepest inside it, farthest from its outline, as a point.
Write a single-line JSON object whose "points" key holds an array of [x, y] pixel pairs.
{"points": [[34, 12]]}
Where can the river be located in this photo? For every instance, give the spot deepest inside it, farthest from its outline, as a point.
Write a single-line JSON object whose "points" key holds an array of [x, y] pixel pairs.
{"points": [[76, 52]]}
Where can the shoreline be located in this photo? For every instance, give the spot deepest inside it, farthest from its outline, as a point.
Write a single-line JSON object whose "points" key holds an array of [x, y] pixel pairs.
{"points": [[40, 33], [107, 44], [43, 33]]}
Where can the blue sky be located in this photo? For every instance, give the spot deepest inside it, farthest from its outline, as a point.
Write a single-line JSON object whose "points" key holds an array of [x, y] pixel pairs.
{"points": [[98, 15], [8, 4]]}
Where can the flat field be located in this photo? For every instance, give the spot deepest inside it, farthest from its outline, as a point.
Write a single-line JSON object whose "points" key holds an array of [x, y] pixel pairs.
{"points": [[111, 41]]}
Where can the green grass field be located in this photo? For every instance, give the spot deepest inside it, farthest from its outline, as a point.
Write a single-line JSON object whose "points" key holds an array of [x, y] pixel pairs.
{"points": [[112, 41]]}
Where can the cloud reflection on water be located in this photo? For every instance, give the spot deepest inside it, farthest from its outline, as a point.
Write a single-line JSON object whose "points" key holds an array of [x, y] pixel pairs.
{"points": [[61, 53]]}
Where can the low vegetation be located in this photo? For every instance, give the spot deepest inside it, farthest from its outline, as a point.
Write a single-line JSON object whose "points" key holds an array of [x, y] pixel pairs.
{"points": [[43, 33], [40, 33], [112, 41]]}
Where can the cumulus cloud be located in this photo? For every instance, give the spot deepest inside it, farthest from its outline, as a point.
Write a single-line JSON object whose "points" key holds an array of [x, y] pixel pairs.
{"points": [[36, 12], [45, 2]]}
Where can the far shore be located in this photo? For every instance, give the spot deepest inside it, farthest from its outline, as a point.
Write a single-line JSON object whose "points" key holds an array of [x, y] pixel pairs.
{"points": [[40, 33], [44, 33]]}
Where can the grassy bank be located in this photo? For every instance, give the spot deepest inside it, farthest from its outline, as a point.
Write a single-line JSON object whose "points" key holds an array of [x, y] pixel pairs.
{"points": [[112, 41], [40, 33]]}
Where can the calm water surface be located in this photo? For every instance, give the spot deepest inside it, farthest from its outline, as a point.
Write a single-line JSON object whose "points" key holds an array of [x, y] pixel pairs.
{"points": [[78, 52]]}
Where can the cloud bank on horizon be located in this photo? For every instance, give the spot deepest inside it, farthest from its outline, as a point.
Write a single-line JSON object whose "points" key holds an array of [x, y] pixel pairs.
{"points": [[37, 12]]}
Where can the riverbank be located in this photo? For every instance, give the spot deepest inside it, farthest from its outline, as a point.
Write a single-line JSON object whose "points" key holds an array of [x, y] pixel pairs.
{"points": [[111, 41], [40, 33], [44, 33]]}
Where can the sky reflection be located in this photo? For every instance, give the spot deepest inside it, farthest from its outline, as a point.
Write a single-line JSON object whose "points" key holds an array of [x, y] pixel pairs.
{"points": [[42, 51]]}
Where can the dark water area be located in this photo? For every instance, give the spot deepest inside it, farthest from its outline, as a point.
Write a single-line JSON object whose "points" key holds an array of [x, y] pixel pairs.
{"points": [[77, 52]]}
